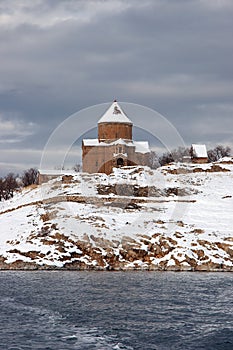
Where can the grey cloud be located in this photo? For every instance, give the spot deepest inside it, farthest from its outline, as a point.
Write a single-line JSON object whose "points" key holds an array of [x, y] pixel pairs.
{"points": [[172, 56], [12, 129]]}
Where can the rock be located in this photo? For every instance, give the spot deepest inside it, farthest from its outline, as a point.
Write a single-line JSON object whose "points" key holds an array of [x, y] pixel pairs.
{"points": [[67, 179], [216, 168]]}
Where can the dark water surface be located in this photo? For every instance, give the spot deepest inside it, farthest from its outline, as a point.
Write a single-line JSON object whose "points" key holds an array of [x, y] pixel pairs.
{"points": [[115, 310]]}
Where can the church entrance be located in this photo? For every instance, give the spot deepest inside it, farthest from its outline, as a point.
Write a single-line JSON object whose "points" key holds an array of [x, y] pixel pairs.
{"points": [[120, 162]]}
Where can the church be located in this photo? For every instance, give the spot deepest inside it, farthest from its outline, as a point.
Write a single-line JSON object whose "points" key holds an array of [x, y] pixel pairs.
{"points": [[114, 146]]}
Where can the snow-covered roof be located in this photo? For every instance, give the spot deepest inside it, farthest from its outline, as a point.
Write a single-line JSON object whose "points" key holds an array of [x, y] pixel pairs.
{"points": [[140, 146], [199, 151], [115, 114], [56, 172], [120, 142], [91, 142], [96, 142], [51, 172]]}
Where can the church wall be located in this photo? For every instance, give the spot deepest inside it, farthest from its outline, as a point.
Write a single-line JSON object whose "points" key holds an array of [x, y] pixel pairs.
{"points": [[200, 160], [90, 159], [97, 159], [142, 158], [114, 131], [102, 159], [131, 155]]}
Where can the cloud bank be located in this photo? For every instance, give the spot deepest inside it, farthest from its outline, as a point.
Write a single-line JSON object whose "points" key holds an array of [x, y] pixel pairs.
{"points": [[58, 57]]}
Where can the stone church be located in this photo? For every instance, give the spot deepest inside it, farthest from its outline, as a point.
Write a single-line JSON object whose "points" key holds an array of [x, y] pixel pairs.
{"points": [[114, 146]]}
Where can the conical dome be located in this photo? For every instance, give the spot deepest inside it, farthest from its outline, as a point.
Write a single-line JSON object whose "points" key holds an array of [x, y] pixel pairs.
{"points": [[114, 125], [115, 114]]}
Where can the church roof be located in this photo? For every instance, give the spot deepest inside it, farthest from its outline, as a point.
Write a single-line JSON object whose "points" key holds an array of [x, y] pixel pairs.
{"points": [[140, 146], [115, 114], [199, 151]]}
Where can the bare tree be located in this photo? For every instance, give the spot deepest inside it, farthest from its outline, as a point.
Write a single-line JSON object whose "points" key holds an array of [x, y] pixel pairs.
{"points": [[218, 152], [29, 177], [153, 160], [77, 168], [10, 184], [2, 188], [7, 186], [166, 158], [179, 153], [175, 155]]}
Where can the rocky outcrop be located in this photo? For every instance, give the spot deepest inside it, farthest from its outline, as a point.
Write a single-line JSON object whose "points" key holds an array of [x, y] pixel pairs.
{"points": [[96, 253], [187, 170], [170, 220], [142, 191]]}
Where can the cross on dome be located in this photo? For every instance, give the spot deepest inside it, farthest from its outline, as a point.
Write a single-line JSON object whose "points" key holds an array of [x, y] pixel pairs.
{"points": [[116, 110]]}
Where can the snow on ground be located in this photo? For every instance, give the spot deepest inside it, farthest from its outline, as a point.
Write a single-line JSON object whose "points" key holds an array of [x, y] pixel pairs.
{"points": [[177, 217]]}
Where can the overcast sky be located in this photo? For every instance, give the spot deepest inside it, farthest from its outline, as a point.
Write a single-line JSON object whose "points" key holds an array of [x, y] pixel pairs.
{"points": [[58, 57]]}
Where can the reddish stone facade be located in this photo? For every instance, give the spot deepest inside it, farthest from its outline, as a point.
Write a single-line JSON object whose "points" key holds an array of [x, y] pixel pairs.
{"points": [[114, 131], [200, 160], [114, 146]]}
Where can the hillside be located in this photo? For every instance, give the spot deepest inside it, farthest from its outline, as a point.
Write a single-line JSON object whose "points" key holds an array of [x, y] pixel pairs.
{"points": [[178, 217]]}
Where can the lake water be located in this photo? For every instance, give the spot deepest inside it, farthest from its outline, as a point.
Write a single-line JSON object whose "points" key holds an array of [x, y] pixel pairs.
{"points": [[115, 310]]}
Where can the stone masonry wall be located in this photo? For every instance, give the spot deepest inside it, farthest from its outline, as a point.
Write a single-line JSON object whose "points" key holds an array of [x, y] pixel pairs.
{"points": [[103, 158], [114, 131]]}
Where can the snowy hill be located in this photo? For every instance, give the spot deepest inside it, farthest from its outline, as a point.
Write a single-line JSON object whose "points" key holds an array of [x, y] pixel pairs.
{"points": [[178, 217]]}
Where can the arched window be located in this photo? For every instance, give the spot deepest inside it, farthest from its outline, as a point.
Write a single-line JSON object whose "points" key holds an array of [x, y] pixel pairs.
{"points": [[120, 162]]}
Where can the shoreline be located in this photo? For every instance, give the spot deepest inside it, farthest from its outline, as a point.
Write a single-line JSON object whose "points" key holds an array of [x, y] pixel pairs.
{"points": [[23, 266]]}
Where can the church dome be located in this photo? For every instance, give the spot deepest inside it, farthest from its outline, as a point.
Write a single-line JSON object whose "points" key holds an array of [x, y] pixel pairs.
{"points": [[114, 125], [115, 114]]}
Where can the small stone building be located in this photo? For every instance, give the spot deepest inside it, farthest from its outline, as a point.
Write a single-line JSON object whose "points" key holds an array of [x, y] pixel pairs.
{"points": [[47, 175], [199, 154], [114, 146]]}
